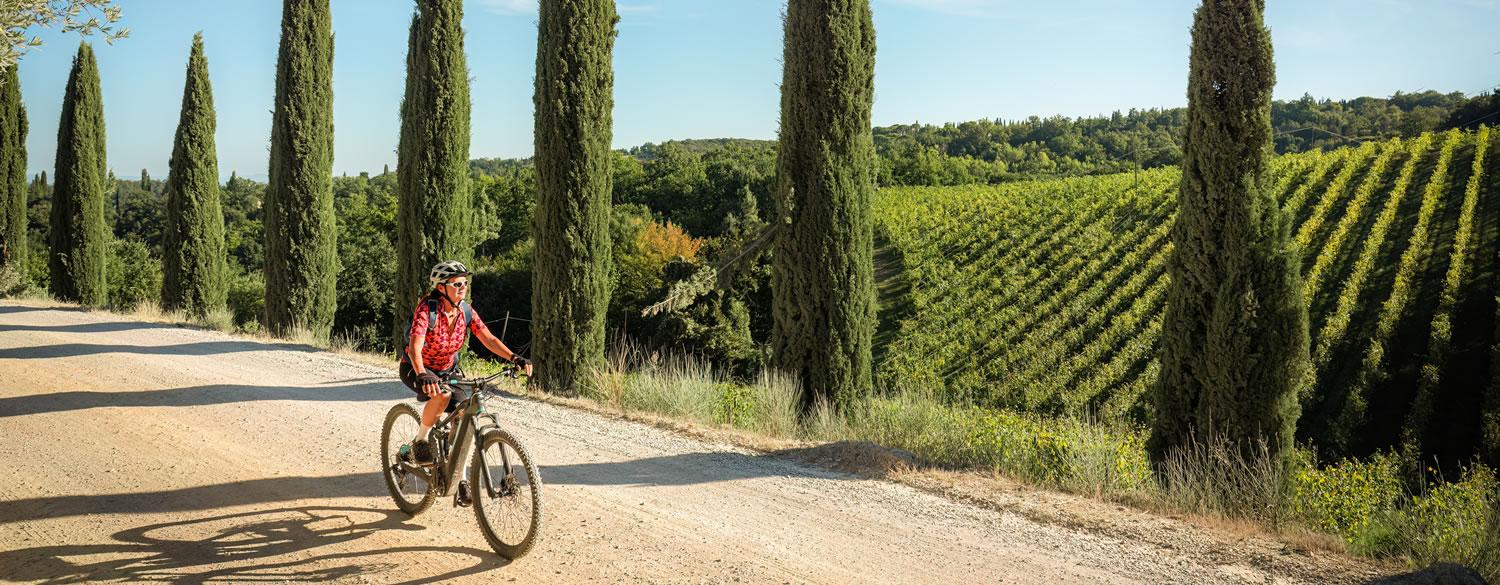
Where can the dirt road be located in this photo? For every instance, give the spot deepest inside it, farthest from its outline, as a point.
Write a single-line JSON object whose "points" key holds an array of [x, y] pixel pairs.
{"points": [[148, 452]]}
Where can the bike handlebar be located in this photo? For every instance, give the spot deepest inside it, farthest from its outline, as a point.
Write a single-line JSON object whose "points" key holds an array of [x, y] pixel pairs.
{"points": [[507, 370]]}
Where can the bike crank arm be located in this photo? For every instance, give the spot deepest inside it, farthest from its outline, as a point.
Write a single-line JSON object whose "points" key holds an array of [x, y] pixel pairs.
{"points": [[417, 470]]}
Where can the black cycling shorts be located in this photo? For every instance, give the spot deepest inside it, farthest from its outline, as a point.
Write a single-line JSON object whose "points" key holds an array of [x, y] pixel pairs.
{"points": [[409, 377]]}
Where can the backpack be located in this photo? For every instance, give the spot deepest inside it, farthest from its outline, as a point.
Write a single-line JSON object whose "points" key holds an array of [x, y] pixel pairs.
{"points": [[432, 310]]}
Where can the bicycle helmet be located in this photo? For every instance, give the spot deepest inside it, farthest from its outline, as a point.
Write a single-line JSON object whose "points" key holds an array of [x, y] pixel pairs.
{"points": [[446, 270]]}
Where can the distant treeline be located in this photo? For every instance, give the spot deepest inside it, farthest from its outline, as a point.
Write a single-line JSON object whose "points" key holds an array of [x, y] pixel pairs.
{"points": [[993, 151], [997, 151]]}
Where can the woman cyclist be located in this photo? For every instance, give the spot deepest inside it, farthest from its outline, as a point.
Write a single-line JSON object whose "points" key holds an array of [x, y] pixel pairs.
{"points": [[439, 327]]}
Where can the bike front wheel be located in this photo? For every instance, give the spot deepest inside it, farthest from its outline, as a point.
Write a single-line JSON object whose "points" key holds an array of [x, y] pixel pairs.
{"points": [[413, 492], [507, 494]]}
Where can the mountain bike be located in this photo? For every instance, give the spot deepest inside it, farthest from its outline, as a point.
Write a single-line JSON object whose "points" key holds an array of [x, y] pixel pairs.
{"points": [[502, 483]]}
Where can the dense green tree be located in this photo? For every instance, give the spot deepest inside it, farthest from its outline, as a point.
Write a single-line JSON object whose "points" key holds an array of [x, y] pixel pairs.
{"points": [[367, 249], [1234, 344], [13, 188], [574, 103], [823, 279], [435, 206], [134, 275], [301, 234], [79, 237], [39, 213], [244, 232], [674, 184], [194, 276], [503, 208], [137, 214]]}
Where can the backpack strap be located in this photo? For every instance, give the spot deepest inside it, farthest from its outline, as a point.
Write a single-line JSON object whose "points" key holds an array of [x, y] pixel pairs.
{"points": [[468, 314], [432, 306]]}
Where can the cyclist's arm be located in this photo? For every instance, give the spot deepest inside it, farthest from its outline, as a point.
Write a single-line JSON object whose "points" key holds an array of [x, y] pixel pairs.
{"points": [[414, 353], [494, 344]]}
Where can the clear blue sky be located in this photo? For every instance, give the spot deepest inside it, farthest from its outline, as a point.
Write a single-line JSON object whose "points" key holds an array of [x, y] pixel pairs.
{"points": [[710, 68]]}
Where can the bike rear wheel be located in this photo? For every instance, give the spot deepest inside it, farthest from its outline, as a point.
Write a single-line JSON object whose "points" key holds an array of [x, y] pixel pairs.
{"points": [[412, 493], [509, 503]]}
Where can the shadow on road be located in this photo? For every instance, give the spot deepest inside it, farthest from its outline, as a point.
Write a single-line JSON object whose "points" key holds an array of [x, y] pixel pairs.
{"points": [[683, 469], [201, 348], [12, 309], [207, 497], [65, 401], [1439, 574], [244, 546], [673, 470], [100, 327]]}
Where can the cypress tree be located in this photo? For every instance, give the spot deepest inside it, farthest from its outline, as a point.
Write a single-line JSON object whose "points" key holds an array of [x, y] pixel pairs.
{"points": [[1234, 344], [822, 274], [79, 237], [193, 249], [432, 170], [13, 184], [574, 102], [301, 239]]}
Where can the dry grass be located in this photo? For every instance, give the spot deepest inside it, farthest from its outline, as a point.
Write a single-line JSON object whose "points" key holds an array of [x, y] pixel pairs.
{"points": [[221, 320], [1218, 478], [150, 311]]}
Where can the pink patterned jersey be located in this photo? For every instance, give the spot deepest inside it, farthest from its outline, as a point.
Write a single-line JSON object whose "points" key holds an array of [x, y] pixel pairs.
{"points": [[445, 338]]}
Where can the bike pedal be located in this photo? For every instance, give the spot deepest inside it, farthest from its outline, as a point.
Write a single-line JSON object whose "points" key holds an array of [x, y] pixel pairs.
{"points": [[461, 499]]}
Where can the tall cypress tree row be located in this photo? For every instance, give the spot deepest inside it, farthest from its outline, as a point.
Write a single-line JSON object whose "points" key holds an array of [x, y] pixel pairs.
{"points": [[822, 275], [1234, 344], [13, 187], [78, 235], [432, 172], [301, 238], [193, 249], [574, 101]]}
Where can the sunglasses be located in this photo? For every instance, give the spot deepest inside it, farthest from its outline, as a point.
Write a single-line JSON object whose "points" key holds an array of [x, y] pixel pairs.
{"points": [[459, 284]]}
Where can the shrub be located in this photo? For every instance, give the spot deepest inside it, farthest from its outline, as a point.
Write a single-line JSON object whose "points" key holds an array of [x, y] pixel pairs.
{"points": [[247, 300], [1453, 521], [1344, 498], [735, 404], [36, 267], [13, 280], [134, 276]]}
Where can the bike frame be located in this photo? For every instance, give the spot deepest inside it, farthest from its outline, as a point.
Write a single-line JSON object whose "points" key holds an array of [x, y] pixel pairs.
{"points": [[442, 474]]}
